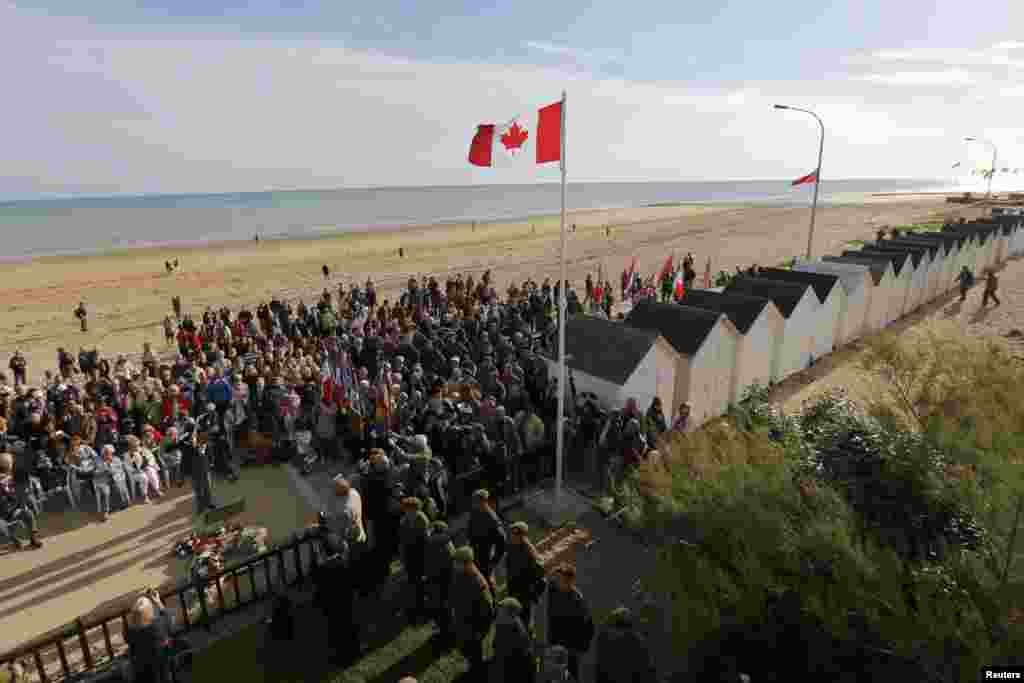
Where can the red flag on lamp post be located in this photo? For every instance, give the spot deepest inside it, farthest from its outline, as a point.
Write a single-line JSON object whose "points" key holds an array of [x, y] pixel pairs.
{"points": [[809, 178]]}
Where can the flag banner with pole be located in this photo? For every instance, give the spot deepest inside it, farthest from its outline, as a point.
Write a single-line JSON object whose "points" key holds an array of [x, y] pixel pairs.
{"points": [[631, 275], [519, 141], [666, 270], [680, 286], [809, 178], [707, 275]]}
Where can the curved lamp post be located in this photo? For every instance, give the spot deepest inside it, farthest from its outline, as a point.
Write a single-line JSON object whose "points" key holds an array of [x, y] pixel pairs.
{"points": [[995, 155], [817, 181]]}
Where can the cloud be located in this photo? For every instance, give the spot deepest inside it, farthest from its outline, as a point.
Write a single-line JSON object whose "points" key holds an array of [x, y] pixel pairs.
{"points": [[924, 78], [572, 53], [180, 112]]}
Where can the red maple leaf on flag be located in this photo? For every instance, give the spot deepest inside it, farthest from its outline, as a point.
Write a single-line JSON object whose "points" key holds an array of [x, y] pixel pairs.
{"points": [[514, 137]]}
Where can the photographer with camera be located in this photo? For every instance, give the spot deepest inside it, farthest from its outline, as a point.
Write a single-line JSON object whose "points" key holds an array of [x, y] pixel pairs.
{"points": [[149, 639]]}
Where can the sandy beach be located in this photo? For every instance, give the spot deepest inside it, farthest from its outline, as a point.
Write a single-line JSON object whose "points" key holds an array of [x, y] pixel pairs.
{"points": [[128, 292]]}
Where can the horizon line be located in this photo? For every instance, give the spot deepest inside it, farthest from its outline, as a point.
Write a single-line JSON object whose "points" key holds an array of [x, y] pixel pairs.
{"points": [[154, 195]]}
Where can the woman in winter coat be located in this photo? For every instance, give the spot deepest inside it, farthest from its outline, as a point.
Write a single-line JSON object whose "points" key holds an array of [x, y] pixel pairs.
{"points": [[513, 652]]}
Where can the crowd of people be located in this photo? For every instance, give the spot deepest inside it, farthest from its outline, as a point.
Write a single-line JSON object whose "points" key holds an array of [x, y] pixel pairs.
{"points": [[447, 381], [452, 370]]}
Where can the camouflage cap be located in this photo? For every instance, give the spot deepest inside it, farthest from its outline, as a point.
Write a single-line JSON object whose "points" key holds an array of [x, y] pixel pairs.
{"points": [[464, 554], [520, 527], [481, 494], [620, 615], [511, 604]]}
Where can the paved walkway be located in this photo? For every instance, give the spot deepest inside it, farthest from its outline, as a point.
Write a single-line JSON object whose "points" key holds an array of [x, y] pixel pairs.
{"points": [[86, 565]]}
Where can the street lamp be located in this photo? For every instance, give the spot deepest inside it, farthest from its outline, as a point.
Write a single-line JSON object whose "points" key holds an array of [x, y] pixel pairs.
{"points": [[995, 155], [817, 173]]}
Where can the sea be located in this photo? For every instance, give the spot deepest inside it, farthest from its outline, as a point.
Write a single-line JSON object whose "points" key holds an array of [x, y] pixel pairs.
{"points": [[83, 225]]}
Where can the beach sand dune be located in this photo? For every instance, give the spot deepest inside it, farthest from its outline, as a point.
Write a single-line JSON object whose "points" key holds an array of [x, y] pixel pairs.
{"points": [[128, 292]]}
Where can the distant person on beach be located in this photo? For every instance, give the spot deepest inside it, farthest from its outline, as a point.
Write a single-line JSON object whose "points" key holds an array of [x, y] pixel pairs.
{"points": [[19, 366], [82, 316], [256, 238], [169, 267], [991, 287], [574, 227], [176, 306], [607, 231], [175, 264], [326, 271], [169, 333], [401, 252]]}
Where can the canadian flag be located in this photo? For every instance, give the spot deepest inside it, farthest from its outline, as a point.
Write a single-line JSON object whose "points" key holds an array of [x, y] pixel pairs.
{"points": [[518, 141], [680, 286]]}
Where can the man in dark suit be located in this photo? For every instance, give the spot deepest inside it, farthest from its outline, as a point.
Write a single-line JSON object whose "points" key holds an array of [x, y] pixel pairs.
{"points": [[198, 453]]}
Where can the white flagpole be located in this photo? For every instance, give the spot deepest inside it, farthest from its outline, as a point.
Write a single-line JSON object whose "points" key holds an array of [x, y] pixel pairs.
{"points": [[562, 310]]}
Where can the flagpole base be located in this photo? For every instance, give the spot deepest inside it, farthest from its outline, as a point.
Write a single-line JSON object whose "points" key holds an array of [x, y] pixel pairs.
{"points": [[560, 510]]}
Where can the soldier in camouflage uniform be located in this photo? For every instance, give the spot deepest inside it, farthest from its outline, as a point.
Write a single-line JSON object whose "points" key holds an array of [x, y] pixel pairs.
{"points": [[413, 533], [438, 572], [472, 603], [486, 534]]}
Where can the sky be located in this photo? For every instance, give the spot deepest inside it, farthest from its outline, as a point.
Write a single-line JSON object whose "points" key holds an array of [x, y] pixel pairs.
{"points": [[114, 96]]}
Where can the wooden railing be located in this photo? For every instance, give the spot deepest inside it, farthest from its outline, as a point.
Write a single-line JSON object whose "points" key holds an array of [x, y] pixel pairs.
{"points": [[92, 643]]}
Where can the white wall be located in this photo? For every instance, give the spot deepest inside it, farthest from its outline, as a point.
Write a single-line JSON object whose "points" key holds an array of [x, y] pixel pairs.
{"points": [[644, 384], [798, 340], [711, 372], [828, 321], [757, 350]]}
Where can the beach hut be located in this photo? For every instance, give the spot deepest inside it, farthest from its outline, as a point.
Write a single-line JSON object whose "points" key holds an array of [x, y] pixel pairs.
{"points": [[831, 300], [938, 264], [857, 285], [761, 327], [968, 244], [903, 279], [706, 343], [799, 307], [920, 268], [1005, 222], [617, 362], [951, 244], [882, 290]]}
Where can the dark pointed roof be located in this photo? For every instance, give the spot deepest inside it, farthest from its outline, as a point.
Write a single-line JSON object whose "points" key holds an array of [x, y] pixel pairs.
{"points": [[948, 239], [968, 230], [916, 251], [785, 295], [931, 246], [822, 283], [605, 349], [684, 327], [876, 265], [741, 309], [897, 259]]}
